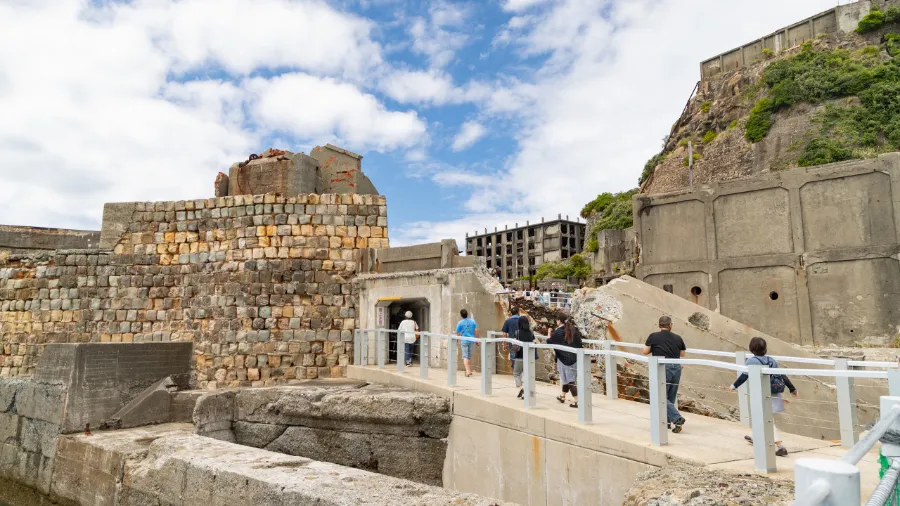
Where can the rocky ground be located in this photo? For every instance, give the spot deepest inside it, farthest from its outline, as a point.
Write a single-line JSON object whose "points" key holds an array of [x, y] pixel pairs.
{"points": [[685, 485]]}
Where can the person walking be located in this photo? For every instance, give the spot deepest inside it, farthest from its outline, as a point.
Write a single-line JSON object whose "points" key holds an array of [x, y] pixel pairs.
{"points": [[525, 335], [510, 329], [467, 328], [666, 343], [777, 383], [408, 329], [567, 335]]}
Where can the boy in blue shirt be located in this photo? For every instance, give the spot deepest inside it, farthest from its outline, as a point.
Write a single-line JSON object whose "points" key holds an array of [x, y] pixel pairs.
{"points": [[467, 328]]}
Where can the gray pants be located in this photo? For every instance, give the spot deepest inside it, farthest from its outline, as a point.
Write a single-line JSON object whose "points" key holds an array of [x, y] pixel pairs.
{"points": [[518, 367], [673, 378]]}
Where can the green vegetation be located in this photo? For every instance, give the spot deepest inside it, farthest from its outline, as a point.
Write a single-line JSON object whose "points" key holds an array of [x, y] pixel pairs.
{"points": [[873, 21], [696, 157], [892, 43], [849, 129], [768, 53], [709, 136], [705, 106], [733, 125], [649, 166], [615, 214], [576, 266]]}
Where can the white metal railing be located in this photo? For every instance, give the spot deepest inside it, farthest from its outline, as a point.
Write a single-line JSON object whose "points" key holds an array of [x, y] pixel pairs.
{"points": [[754, 396]]}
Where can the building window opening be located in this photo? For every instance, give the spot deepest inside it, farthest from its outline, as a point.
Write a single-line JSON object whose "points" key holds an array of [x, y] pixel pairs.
{"points": [[696, 291], [773, 295]]}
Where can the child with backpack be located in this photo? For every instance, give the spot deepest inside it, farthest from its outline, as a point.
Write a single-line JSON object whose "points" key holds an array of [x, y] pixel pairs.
{"points": [[777, 383]]}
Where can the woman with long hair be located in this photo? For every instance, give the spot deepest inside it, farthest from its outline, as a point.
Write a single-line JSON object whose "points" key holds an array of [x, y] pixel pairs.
{"points": [[566, 361]]}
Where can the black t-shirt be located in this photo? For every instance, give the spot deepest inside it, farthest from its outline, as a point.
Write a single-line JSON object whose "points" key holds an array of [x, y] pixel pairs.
{"points": [[558, 337], [665, 344]]}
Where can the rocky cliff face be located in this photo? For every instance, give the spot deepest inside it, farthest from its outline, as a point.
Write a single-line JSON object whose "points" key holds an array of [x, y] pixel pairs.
{"points": [[715, 120], [683, 485]]}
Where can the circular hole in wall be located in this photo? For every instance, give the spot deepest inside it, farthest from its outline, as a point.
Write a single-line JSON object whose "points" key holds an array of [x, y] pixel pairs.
{"points": [[695, 291], [773, 295]]}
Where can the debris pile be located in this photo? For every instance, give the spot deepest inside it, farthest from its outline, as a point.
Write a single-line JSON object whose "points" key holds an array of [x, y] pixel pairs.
{"points": [[687, 485]]}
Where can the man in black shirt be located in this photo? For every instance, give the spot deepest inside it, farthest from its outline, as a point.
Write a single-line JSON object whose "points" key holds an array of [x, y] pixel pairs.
{"points": [[667, 344]]}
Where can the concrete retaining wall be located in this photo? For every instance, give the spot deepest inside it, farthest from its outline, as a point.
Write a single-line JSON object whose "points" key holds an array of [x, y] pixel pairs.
{"points": [[843, 18], [806, 255], [30, 239]]}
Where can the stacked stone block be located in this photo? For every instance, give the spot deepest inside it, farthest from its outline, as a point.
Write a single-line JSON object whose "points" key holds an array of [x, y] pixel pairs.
{"points": [[261, 284]]}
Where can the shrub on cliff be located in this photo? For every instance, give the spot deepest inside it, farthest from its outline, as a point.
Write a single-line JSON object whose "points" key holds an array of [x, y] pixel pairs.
{"points": [[871, 22]]}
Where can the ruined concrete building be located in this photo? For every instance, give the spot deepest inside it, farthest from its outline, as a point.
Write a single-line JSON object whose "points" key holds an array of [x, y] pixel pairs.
{"points": [[518, 252], [328, 169]]}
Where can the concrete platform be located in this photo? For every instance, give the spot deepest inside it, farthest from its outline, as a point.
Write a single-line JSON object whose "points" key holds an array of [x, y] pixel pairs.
{"points": [[620, 429]]}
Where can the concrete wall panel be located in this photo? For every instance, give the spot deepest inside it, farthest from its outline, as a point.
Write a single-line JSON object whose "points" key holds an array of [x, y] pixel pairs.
{"points": [[753, 223], [764, 298], [692, 286], [848, 212], [674, 232], [855, 301]]}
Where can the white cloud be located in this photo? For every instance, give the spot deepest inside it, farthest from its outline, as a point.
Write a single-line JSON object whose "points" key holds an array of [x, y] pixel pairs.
{"points": [[418, 86], [521, 5], [91, 113], [469, 133], [306, 105], [442, 34]]}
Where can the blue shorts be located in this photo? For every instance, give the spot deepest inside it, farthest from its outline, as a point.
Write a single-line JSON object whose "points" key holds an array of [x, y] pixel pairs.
{"points": [[467, 349]]}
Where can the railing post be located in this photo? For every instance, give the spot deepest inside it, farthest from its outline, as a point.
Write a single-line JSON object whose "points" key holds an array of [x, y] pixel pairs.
{"points": [[424, 356], [382, 351], [833, 482], [612, 374], [894, 382], [487, 367], [583, 364], [846, 398], [743, 392], [659, 436], [528, 375], [451, 361], [401, 352], [357, 347], [761, 419]]}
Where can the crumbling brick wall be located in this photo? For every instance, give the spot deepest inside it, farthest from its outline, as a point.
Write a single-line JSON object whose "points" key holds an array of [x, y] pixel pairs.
{"points": [[261, 284]]}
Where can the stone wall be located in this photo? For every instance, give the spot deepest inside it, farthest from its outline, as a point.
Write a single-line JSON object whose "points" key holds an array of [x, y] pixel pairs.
{"points": [[18, 240], [261, 284], [806, 255]]}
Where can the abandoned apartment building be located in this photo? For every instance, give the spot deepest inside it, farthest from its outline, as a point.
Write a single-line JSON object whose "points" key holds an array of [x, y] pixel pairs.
{"points": [[519, 251]]}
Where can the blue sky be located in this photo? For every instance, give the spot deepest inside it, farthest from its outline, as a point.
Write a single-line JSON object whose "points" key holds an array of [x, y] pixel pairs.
{"points": [[469, 114]]}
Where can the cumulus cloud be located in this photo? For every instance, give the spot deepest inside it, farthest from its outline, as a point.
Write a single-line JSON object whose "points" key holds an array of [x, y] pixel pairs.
{"points": [[149, 99], [468, 135], [441, 34]]}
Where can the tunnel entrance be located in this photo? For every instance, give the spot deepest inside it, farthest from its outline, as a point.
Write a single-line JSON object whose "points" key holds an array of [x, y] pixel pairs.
{"points": [[396, 311]]}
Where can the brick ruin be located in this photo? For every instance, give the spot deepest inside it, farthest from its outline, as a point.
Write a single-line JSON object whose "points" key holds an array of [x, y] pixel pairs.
{"points": [[260, 284]]}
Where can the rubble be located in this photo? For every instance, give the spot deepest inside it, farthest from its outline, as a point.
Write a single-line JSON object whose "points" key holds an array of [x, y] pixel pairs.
{"points": [[687, 485]]}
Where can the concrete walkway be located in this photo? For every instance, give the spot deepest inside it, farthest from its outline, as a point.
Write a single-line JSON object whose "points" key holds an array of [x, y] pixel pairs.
{"points": [[620, 428]]}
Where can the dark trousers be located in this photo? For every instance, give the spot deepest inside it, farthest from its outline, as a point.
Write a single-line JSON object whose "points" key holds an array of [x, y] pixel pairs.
{"points": [[408, 351], [673, 378]]}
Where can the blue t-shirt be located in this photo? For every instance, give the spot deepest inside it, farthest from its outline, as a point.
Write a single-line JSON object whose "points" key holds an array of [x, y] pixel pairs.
{"points": [[466, 327]]}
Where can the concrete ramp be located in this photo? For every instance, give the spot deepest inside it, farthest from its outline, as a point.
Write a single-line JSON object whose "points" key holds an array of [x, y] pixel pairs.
{"points": [[814, 414]]}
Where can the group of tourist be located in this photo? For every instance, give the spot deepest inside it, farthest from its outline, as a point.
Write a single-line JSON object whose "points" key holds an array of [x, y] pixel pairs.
{"points": [[663, 343]]}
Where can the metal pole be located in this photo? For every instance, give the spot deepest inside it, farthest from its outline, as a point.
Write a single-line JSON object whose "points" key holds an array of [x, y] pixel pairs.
{"points": [[451, 361], [743, 392], [761, 419], [894, 382], [821, 482], [379, 343], [691, 164], [357, 347], [424, 356], [846, 398], [659, 436], [364, 352], [487, 354], [401, 352], [612, 377], [584, 384], [888, 420], [528, 373]]}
